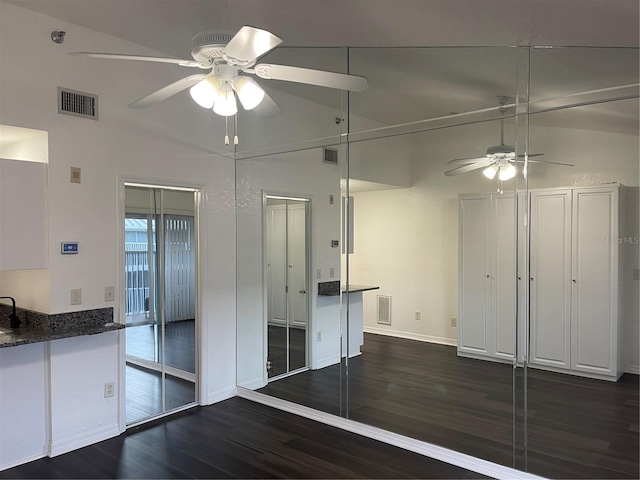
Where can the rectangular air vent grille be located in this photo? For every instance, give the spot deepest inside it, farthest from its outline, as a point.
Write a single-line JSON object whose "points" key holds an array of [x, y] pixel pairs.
{"points": [[330, 156], [78, 104], [384, 309]]}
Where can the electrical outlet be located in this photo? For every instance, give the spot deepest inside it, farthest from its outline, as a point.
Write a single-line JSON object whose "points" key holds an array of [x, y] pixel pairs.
{"points": [[76, 296], [318, 336], [454, 321], [109, 388], [331, 200], [75, 175], [109, 294], [417, 315], [319, 274], [332, 272]]}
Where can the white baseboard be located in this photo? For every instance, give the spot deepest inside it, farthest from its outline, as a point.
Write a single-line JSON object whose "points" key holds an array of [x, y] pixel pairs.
{"points": [[254, 384], [220, 395], [412, 336], [83, 440], [635, 369], [430, 450], [327, 361], [19, 456]]}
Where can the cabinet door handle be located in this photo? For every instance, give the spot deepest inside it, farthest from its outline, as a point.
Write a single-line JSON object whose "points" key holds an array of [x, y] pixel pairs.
{"points": [[531, 278], [487, 276], [574, 281], [303, 291]]}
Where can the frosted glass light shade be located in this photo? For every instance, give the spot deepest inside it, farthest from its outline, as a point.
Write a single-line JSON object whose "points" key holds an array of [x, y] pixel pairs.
{"points": [[249, 92], [490, 171], [507, 172], [205, 92], [226, 104]]}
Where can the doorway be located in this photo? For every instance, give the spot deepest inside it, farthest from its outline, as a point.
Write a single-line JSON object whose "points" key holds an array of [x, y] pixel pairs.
{"points": [[160, 300], [287, 284]]}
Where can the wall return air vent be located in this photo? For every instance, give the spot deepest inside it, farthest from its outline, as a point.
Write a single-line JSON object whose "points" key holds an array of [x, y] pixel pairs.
{"points": [[330, 156], [384, 309], [78, 104]]}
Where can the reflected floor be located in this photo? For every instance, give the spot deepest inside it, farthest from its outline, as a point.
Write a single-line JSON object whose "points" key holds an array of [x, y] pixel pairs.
{"points": [[143, 395], [180, 343], [578, 427], [278, 350]]}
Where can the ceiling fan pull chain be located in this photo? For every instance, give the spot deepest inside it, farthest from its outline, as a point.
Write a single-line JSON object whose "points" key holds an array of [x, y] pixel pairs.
{"points": [[226, 130], [235, 129]]}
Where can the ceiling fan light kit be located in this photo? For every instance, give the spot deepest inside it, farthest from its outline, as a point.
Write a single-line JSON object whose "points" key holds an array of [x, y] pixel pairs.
{"points": [[226, 56]]}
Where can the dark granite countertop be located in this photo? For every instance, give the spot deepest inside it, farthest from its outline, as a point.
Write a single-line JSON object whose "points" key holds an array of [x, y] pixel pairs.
{"points": [[40, 327], [332, 289]]}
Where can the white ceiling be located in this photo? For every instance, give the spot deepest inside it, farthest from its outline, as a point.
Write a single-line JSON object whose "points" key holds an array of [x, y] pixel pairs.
{"points": [[417, 83], [168, 25]]}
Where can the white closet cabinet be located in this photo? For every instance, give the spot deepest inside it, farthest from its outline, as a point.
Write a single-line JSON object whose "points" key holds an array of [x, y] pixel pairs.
{"points": [[576, 280], [487, 276]]}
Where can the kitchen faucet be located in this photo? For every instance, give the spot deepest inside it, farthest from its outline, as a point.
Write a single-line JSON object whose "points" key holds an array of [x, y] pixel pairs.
{"points": [[13, 318]]}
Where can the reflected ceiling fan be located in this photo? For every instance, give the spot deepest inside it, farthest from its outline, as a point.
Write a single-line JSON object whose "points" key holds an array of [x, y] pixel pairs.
{"points": [[500, 159], [229, 59]]}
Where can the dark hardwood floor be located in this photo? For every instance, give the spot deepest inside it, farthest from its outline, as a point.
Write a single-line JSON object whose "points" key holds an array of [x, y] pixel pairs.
{"points": [[179, 343], [277, 351], [144, 393], [238, 438], [576, 427]]}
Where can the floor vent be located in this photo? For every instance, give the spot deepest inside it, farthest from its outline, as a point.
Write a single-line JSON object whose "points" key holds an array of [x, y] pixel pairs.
{"points": [[330, 156], [384, 309], [78, 104]]}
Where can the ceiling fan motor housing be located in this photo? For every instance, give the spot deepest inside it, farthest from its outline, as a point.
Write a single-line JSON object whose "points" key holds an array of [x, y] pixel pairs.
{"points": [[208, 46], [501, 149]]}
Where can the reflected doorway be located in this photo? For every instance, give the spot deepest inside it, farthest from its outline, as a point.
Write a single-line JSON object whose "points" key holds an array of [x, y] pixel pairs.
{"points": [[287, 284], [160, 306]]}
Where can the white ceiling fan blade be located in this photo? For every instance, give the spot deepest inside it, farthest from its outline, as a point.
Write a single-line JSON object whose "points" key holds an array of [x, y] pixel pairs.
{"points": [[267, 107], [552, 163], [312, 77], [468, 168], [465, 161], [118, 56], [532, 155], [248, 44], [168, 91]]}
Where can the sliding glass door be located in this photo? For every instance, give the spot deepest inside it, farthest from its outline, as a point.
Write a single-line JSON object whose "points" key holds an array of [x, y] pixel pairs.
{"points": [[160, 284]]}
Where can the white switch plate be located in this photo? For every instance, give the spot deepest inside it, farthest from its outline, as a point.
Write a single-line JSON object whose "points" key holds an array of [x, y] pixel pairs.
{"points": [[332, 272], [76, 296], [75, 175], [319, 274], [454, 321], [109, 294]]}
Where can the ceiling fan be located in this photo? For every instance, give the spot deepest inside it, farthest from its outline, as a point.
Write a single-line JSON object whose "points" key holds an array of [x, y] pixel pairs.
{"points": [[229, 59], [499, 159]]}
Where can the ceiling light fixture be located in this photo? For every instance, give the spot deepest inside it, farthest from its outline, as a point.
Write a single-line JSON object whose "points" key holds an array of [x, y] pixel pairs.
{"points": [[249, 92], [206, 92]]}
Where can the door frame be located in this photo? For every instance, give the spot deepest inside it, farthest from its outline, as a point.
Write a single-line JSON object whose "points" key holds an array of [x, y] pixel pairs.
{"points": [[120, 309], [265, 277]]}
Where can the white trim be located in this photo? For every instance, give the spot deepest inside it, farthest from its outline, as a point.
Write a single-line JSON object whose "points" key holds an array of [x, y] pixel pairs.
{"points": [[84, 439], [452, 342], [22, 455], [222, 394], [254, 384], [430, 450], [635, 369], [327, 361]]}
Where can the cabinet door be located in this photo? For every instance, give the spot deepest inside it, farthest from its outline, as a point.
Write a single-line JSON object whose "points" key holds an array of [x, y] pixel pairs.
{"points": [[550, 278], [473, 275], [503, 277], [595, 280]]}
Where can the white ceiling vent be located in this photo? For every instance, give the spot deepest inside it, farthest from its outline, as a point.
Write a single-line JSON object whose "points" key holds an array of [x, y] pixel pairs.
{"points": [[78, 104], [330, 156], [384, 309]]}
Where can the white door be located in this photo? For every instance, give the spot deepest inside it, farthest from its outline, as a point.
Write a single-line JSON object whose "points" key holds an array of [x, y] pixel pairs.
{"points": [[474, 274], [297, 245], [550, 278], [503, 277], [276, 264], [595, 282]]}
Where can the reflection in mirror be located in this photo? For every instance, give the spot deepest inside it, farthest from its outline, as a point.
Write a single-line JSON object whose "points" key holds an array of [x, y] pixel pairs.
{"points": [[287, 259]]}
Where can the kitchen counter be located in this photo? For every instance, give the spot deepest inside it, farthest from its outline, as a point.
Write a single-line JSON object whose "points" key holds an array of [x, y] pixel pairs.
{"points": [[40, 327], [332, 289]]}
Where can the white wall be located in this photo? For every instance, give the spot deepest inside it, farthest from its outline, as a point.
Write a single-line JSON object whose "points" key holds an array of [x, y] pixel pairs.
{"points": [[175, 142], [406, 240]]}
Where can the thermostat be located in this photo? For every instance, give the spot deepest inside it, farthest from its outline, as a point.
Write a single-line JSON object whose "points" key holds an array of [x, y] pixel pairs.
{"points": [[69, 248]]}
